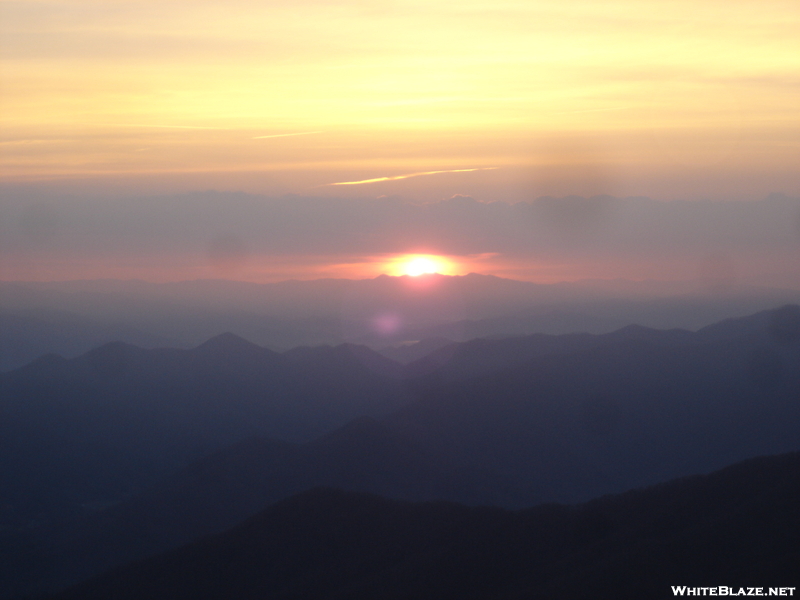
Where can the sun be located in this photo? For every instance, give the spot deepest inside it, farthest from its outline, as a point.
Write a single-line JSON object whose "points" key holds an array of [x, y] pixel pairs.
{"points": [[420, 265], [415, 265]]}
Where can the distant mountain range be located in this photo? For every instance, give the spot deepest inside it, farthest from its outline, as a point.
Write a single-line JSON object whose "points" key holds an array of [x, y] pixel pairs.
{"points": [[738, 527], [101, 426], [70, 318], [125, 452]]}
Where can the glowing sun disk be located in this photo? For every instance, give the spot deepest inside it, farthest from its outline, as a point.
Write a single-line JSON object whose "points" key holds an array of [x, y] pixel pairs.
{"points": [[420, 265]]}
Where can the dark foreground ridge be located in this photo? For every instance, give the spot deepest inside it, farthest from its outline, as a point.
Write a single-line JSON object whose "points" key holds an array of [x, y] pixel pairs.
{"points": [[736, 527]]}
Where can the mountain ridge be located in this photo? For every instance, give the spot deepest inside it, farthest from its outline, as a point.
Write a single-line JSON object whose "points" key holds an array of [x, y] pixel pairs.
{"points": [[70, 318], [549, 418], [326, 543]]}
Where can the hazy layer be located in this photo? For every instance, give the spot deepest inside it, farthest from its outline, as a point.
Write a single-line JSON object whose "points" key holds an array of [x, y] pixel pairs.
{"points": [[257, 238]]}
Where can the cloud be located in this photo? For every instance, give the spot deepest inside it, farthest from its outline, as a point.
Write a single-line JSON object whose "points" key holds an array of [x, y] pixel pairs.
{"points": [[409, 175], [277, 135], [175, 127]]}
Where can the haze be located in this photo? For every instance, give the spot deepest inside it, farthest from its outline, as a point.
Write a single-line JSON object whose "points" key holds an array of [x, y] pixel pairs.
{"points": [[398, 299]]}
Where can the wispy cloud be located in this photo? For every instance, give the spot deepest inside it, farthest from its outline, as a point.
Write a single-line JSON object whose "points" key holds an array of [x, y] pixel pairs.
{"points": [[263, 137], [409, 175], [591, 110], [35, 141], [173, 127]]}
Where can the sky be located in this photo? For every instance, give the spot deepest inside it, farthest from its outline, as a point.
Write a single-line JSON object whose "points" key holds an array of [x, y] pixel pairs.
{"points": [[249, 237], [502, 102]]}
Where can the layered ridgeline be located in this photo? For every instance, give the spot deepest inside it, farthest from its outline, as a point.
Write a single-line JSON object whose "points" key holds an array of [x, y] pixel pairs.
{"points": [[102, 426], [96, 450], [72, 317], [736, 528]]}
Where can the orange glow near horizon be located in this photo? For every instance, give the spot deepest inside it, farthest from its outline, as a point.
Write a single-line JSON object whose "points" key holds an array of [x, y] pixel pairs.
{"points": [[419, 264], [271, 269]]}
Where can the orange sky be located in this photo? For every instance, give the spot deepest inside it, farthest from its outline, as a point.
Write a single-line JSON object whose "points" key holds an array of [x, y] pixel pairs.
{"points": [[577, 96], [503, 101]]}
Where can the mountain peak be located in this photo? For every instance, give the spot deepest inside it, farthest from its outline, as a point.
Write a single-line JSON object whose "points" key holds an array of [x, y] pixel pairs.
{"points": [[779, 324], [229, 342], [636, 330], [46, 361]]}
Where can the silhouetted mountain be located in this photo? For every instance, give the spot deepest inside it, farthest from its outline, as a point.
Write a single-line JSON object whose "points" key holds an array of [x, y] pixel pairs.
{"points": [[28, 334], [510, 422], [780, 325], [407, 353], [324, 359], [482, 356], [70, 318], [232, 484], [227, 344], [736, 527], [609, 412], [106, 424], [102, 426]]}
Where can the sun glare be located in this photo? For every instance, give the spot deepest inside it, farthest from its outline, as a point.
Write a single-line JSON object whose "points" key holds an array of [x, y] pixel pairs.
{"points": [[421, 265], [416, 265]]}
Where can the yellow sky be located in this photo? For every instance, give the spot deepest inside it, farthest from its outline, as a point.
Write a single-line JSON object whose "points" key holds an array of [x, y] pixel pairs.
{"points": [[379, 89]]}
